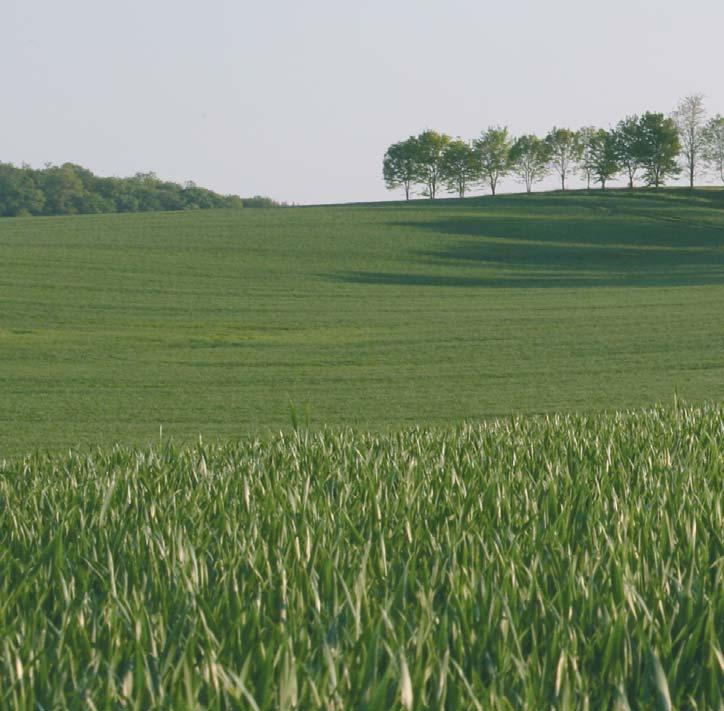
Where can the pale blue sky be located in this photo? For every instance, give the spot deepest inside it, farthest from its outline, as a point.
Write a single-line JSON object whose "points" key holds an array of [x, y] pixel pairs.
{"points": [[299, 100]]}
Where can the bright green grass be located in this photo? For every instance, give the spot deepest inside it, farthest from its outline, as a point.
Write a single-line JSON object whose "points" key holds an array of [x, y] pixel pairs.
{"points": [[377, 315], [575, 562]]}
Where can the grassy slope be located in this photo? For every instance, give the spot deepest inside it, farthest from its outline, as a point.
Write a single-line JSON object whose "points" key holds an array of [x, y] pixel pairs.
{"points": [[373, 315]]}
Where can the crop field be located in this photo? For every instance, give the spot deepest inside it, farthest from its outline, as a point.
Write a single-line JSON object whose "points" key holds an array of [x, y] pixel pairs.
{"points": [[382, 456], [115, 328], [567, 562]]}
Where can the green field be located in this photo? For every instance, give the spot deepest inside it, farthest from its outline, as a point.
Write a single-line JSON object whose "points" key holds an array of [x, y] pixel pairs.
{"points": [[453, 550], [373, 315], [574, 562]]}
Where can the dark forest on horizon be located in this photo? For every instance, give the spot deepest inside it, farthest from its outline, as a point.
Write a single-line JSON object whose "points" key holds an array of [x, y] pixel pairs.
{"points": [[70, 189]]}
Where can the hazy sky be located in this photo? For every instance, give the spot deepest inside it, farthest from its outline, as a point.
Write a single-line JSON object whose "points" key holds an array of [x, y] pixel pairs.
{"points": [[299, 100]]}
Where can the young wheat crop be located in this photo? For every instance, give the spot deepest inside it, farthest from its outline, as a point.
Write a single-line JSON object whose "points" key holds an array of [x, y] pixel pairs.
{"points": [[573, 562]]}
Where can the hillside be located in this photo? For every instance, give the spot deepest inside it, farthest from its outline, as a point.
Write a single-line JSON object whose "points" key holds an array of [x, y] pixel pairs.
{"points": [[376, 315]]}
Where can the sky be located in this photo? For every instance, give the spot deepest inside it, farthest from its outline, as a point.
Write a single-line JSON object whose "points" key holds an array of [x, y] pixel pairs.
{"points": [[299, 100]]}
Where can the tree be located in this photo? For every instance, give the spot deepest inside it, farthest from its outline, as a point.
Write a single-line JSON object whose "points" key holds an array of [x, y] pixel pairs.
{"points": [[70, 189], [604, 156], [493, 148], [459, 167], [195, 198], [564, 149], [259, 201], [586, 137], [528, 159], [627, 138], [90, 203], [658, 147], [714, 146], [63, 189], [430, 150], [690, 119], [19, 195], [399, 165]]}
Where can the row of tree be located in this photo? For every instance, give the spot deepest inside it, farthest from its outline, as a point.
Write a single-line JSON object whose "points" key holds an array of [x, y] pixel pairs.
{"points": [[69, 189], [651, 148]]}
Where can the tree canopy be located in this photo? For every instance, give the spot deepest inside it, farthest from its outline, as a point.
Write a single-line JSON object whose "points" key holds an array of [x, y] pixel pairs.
{"points": [[690, 119], [430, 160], [658, 148], [651, 148], [459, 167], [70, 189], [714, 145], [564, 150], [528, 159], [399, 167], [493, 149], [604, 158]]}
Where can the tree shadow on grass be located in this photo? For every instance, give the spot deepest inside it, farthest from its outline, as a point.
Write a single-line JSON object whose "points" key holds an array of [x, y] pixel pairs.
{"points": [[593, 247]]}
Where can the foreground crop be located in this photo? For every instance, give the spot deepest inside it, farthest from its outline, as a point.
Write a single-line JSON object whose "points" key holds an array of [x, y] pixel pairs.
{"points": [[573, 562]]}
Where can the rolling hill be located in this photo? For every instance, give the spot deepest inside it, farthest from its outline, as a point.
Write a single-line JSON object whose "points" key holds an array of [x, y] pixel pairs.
{"points": [[376, 315]]}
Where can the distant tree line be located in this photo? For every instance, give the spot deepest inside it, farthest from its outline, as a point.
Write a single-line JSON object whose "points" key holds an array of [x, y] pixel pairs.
{"points": [[69, 189], [648, 149]]}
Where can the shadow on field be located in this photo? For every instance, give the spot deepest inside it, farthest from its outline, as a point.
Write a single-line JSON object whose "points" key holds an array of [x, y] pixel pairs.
{"points": [[662, 242]]}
